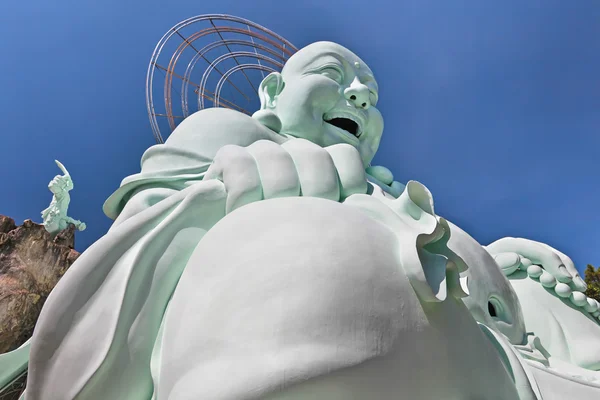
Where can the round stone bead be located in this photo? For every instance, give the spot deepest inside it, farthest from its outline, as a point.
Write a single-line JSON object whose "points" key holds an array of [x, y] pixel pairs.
{"points": [[547, 280], [525, 262], [534, 271], [562, 289], [509, 262], [578, 298], [591, 305]]}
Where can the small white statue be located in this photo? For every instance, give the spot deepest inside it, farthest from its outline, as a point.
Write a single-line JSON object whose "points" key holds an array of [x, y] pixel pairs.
{"points": [[55, 216]]}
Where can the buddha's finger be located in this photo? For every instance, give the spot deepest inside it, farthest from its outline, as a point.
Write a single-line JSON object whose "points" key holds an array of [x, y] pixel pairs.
{"points": [[350, 169], [276, 168], [316, 171], [534, 251], [237, 169]]}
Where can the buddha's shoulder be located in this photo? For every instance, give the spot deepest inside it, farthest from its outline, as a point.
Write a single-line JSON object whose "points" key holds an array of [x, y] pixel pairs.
{"points": [[218, 127], [214, 115]]}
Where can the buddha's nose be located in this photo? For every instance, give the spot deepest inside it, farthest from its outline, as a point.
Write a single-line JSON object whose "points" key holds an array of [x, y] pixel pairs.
{"points": [[358, 94]]}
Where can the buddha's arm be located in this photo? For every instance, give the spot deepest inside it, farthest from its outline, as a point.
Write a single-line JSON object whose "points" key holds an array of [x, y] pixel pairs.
{"points": [[518, 253], [184, 158], [254, 162], [260, 171]]}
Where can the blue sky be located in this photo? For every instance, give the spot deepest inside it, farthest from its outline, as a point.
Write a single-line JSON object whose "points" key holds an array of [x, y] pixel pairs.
{"points": [[495, 106]]}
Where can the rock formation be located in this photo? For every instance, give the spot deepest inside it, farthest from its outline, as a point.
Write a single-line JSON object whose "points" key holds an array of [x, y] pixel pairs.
{"points": [[31, 263]]}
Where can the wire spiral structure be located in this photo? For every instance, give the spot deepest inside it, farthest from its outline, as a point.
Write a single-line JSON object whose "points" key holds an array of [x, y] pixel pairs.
{"points": [[229, 54]]}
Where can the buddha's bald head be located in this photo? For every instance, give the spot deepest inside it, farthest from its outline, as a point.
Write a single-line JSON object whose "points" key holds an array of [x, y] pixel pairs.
{"points": [[326, 94]]}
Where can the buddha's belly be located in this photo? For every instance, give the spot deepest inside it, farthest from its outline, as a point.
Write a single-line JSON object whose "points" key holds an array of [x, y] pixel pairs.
{"points": [[306, 298]]}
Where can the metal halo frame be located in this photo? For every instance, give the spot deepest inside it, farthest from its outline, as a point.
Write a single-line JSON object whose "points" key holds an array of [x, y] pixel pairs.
{"points": [[267, 51]]}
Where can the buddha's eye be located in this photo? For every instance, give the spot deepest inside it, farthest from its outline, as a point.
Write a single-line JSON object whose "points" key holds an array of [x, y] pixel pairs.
{"points": [[332, 73]]}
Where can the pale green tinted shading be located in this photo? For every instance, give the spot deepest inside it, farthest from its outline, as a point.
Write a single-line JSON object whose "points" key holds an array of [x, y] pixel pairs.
{"points": [[55, 218], [263, 257], [13, 364]]}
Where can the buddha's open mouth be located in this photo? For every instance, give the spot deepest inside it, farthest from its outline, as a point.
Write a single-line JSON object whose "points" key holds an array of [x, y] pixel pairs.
{"points": [[345, 122]]}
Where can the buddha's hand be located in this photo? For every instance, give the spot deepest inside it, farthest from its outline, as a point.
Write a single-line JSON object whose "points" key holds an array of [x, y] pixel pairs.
{"points": [[266, 170], [518, 253]]}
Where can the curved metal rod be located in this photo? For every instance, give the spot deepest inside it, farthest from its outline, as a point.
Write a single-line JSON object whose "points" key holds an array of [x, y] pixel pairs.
{"points": [[225, 57], [188, 42], [171, 68], [161, 43], [211, 97], [235, 69], [188, 72], [234, 58], [175, 30]]}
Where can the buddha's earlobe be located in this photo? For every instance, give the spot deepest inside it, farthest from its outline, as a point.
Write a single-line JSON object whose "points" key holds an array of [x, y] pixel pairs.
{"points": [[269, 119], [270, 88]]}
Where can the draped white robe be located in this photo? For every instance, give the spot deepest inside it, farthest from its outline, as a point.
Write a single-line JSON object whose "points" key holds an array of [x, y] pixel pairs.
{"points": [[100, 332]]}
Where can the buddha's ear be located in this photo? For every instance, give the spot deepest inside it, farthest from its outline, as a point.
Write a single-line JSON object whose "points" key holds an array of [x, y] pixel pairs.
{"points": [[270, 88]]}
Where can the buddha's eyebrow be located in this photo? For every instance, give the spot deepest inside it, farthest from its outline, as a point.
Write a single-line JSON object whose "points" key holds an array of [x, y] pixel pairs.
{"points": [[326, 58]]}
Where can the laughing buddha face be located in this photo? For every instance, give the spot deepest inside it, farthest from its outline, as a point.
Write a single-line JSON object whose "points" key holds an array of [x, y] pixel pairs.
{"points": [[327, 95]]}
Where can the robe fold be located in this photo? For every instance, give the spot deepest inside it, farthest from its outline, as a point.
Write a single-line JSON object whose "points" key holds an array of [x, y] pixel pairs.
{"points": [[95, 335], [99, 333]]}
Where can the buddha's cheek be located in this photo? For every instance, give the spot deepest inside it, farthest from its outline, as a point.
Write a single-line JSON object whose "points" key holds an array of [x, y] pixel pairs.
{"points": [[297, 285], [303, 103]]}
